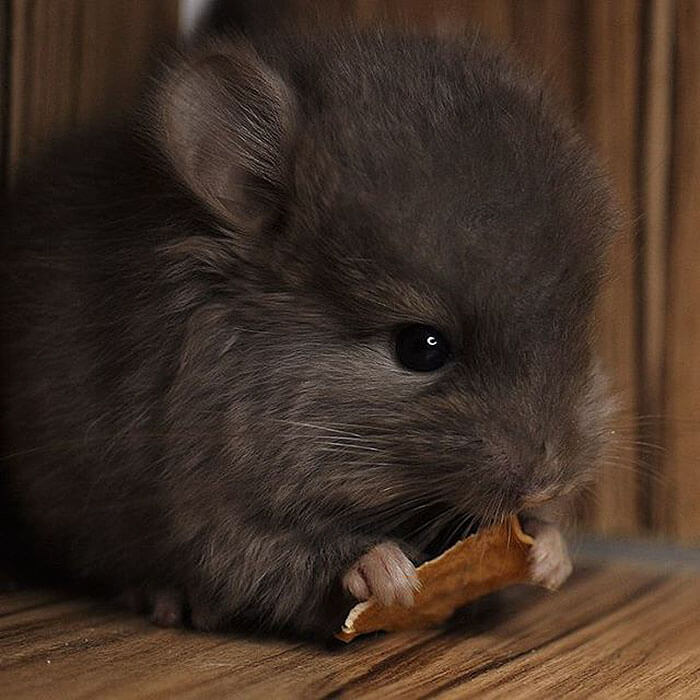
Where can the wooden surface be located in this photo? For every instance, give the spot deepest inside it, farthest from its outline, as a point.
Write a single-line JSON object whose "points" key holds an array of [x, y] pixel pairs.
{"points": [[4, 86], [679, 501], [613, 633], [74, 62], [654, 171], [608, 108]]}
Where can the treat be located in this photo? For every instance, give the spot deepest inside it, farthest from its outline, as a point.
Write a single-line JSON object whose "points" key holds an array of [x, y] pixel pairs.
{"points": [[491, 559]]}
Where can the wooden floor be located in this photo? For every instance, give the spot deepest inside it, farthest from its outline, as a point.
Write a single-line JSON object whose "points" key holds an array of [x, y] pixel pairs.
{"points": [[613, 632]]}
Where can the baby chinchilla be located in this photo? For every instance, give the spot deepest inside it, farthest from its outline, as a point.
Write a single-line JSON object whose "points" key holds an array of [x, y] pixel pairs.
{"points": [[327, 296]]}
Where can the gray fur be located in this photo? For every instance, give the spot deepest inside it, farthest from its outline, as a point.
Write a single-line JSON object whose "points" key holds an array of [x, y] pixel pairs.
{"points": [[199, 387]]}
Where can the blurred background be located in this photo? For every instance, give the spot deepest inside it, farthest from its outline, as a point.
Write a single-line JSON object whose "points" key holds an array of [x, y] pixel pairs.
{"points": [[626, 70]]}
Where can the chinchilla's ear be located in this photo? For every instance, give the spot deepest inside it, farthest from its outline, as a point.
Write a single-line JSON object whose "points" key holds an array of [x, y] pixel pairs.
{"points": [[226, 122]]}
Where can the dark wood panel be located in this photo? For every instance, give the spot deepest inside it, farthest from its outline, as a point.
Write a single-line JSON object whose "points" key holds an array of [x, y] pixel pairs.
{"points": [[610, 113], [4, 87], [617, 632], [655, 162], [679, 503], [550, 36], [75, 62]]}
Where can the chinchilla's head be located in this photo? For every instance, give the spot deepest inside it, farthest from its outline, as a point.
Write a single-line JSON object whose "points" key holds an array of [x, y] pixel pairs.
{"points": [[397, 286]]}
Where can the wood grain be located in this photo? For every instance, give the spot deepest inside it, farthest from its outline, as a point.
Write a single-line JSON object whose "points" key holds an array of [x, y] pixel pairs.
{"points": [[4, 87], [549, 36], [610, 118], [617, 632], [679, 503], [654, 169], [77, 62]]}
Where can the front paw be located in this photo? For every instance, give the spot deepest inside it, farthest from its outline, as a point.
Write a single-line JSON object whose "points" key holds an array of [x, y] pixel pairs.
{"points": [[550, 564], [384, 573]]}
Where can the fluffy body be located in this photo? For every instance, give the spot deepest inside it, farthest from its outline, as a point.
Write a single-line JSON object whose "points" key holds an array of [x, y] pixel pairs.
{"points": [[200, 400]]}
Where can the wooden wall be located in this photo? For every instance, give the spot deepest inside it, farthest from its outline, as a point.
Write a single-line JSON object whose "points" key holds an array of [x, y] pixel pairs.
{"points": [[4, 86], [627, 70], [69, 63], [677, 505]]}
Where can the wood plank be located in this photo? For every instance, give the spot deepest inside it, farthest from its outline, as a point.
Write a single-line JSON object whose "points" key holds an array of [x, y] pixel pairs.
{"points": [[678, 505], [612, 40], [493, 19], [76, 62], [655, 162], [4, 87], [642, 625], [624, 630], [549, 36]]}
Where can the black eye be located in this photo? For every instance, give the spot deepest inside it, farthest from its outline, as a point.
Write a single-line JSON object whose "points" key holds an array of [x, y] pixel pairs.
{"points": [[421, 348]]}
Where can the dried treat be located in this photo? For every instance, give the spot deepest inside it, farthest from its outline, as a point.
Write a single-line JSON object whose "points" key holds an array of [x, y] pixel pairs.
{"points": [[485, 562]]}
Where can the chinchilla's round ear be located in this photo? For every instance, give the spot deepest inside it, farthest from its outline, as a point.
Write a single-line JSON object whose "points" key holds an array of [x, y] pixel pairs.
{"points": [[226, 122]]}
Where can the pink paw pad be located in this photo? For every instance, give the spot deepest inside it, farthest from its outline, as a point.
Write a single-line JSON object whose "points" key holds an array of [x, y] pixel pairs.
{"points": [[384, 573]]}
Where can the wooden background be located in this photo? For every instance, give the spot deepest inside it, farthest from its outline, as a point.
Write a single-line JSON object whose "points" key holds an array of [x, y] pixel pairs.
{"points": [[628, 72]]}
